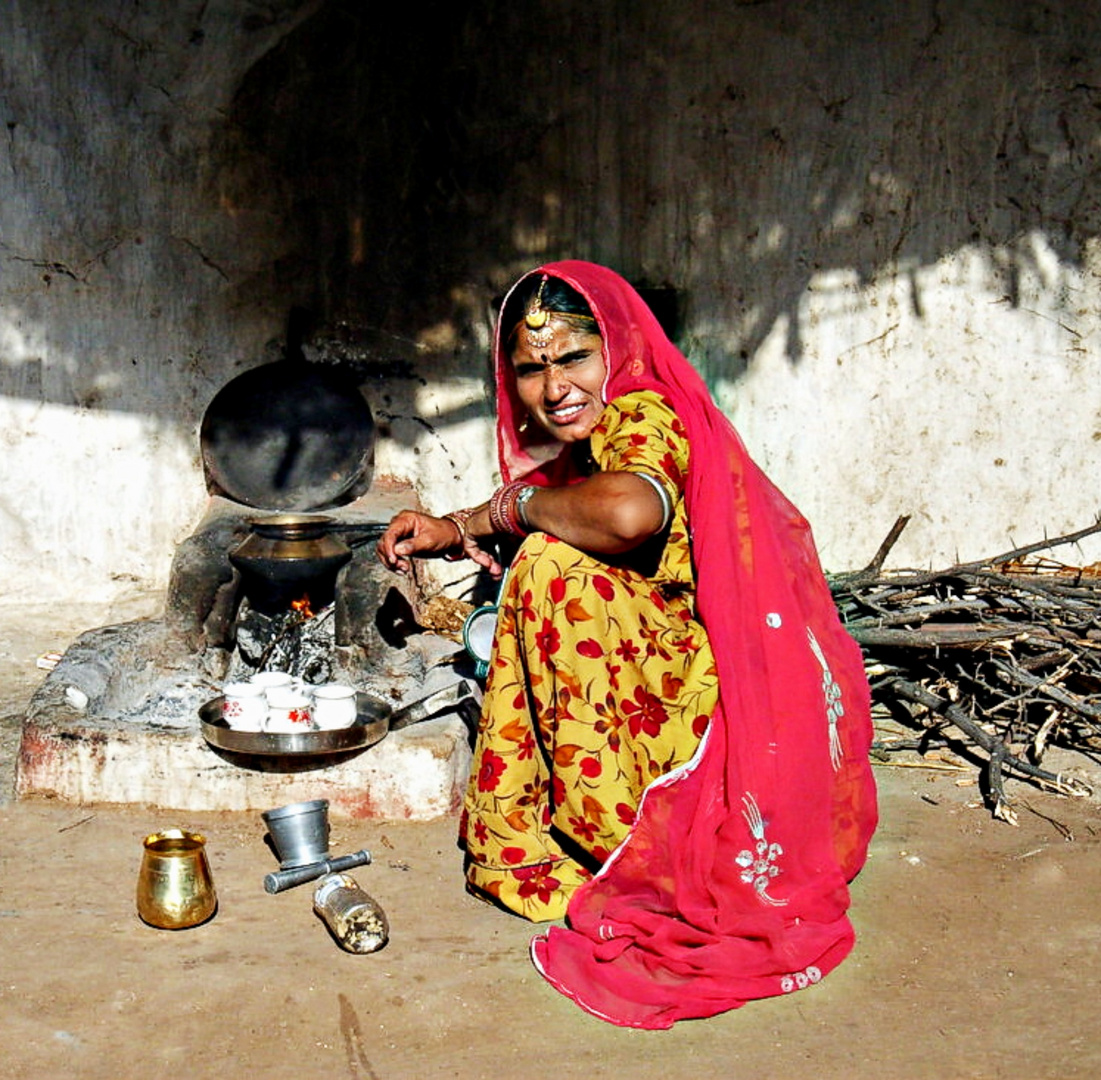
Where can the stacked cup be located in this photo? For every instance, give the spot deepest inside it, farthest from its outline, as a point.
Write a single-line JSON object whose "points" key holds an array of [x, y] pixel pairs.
{"points": [[334, 706], [276, 702]]}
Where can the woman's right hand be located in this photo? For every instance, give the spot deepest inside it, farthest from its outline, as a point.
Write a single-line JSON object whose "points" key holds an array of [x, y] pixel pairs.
{"points": [[413, 533]]}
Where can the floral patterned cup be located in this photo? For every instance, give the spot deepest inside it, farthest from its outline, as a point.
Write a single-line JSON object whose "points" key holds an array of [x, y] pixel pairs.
{"points": [[289, 712], [244, 706]]}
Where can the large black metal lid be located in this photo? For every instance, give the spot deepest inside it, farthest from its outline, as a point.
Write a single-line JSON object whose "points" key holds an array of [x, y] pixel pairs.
{"points": [[289, 435]]}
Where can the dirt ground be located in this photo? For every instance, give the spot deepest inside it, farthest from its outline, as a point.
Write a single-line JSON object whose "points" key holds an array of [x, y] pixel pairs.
{"points": [[978, 953]]}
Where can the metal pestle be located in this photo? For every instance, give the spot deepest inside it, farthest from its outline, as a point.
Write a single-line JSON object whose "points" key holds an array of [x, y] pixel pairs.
{"points": [[278, 880]]}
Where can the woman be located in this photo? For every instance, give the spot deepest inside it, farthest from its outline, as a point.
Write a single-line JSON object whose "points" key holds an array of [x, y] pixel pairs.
{"points": [[673, 746]]}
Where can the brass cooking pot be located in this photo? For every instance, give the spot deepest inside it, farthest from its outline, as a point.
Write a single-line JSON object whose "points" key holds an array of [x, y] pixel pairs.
{"points": [[286, 556], [282, 544]]}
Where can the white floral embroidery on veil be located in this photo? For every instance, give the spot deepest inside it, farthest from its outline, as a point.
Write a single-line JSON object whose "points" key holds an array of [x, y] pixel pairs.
{"points": [[759, 866], [834, 708]]}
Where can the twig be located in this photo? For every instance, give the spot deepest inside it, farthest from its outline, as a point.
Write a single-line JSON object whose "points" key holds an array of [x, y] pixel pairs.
{"points": [[873, 568], [941, 637], [913, 578], [1043, 545], [1042, 686], [76, 824], [929, 765], [993, 747], [1059, 827]]}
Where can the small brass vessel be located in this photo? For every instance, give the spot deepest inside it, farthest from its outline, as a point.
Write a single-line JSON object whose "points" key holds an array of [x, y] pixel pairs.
{"points": [[175, 888]]}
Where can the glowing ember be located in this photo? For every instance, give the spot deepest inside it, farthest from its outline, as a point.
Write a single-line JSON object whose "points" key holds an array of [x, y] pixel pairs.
{"points": [[302, 608]]}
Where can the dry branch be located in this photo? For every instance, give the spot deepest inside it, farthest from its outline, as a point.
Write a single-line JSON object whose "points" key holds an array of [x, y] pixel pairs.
{"points": [[1006, 650]]}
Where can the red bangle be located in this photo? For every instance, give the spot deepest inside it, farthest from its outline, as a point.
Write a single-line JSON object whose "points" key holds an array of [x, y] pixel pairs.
{"points": [[502, 509]]}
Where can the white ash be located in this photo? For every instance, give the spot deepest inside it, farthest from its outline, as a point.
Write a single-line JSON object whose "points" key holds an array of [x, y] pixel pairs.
{"points": [[172, 705], [299, 645]]}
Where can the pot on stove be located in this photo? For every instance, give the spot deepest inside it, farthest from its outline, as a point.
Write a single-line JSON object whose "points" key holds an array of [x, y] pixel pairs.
{"points": [[288, 557], [293, 439]]}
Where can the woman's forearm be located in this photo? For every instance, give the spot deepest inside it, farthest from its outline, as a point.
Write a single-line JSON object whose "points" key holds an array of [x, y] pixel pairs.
{"points": [[606, 514]]}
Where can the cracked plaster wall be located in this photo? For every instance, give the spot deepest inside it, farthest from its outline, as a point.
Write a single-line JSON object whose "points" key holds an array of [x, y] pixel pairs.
{"points": [[880, 220]]}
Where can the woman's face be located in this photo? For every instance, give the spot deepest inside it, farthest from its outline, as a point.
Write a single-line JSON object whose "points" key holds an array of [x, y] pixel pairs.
{"points": [[560, 374]]}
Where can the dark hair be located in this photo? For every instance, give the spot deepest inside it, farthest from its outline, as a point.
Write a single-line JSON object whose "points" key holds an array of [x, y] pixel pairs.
{"points": [[557, 296]]}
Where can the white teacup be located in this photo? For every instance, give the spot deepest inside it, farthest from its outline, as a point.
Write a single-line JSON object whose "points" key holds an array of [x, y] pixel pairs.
{"points": [[244, 706], [272, 680], [290, 712], [334, 706]]}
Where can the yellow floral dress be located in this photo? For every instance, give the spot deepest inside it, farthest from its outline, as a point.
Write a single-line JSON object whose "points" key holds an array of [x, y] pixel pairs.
{"points": [[602, 679]]}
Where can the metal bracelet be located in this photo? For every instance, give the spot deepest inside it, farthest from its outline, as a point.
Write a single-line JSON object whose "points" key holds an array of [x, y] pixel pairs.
{"points": [[459, 518], [666, 502], [521, 506]]}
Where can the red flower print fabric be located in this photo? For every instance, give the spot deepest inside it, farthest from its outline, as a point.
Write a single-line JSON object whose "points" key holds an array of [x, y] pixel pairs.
{"points": [[573, 730]]}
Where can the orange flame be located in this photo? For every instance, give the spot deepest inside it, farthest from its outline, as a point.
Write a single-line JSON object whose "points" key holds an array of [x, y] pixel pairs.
{"points": [[302, 607]]}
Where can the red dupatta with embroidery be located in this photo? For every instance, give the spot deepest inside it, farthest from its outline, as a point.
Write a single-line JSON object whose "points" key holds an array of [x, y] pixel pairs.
{"points": [[733, 882]]}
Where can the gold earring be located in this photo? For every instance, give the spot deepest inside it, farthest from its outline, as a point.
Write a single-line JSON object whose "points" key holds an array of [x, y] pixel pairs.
{"points": [[524, 423]]}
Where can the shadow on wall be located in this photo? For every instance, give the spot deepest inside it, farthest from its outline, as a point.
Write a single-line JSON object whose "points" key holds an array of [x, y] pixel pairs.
{"points": [[728, 151]]}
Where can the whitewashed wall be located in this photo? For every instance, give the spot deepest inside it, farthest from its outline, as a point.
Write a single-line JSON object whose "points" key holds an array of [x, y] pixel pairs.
{"points": [[980, 420], [121, 284], [882, 220]]}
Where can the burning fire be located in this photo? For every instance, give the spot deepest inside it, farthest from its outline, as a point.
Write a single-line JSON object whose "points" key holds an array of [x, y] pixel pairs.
{"points": [[302, 608]]}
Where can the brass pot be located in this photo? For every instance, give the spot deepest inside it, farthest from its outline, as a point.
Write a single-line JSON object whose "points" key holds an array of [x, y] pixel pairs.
{"points": [[287, 556], [175, 889], [289, 544]]}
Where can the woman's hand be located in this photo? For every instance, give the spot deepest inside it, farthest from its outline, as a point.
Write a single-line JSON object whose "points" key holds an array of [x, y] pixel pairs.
{"points": [[412, 533]]}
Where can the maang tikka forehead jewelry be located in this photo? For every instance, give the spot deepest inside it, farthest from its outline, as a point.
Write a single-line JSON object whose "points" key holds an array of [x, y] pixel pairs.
{"points": [[537, 319]]}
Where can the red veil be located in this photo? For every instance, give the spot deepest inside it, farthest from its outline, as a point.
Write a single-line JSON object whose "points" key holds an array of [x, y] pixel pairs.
{"points": [[733, 883]]}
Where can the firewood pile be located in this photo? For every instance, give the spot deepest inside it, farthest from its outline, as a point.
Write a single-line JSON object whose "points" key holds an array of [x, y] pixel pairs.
{"points": [[1002, 655]]}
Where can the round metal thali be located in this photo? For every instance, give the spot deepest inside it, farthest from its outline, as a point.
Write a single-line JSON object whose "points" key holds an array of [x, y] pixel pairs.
{"points": [[371, 724]]}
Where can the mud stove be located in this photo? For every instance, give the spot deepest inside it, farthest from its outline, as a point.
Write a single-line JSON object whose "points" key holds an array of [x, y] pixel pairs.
{"points": [[280, 573]]}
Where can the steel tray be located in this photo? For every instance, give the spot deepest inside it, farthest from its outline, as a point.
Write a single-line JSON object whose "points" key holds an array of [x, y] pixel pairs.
{"points": [[371, 724]]}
